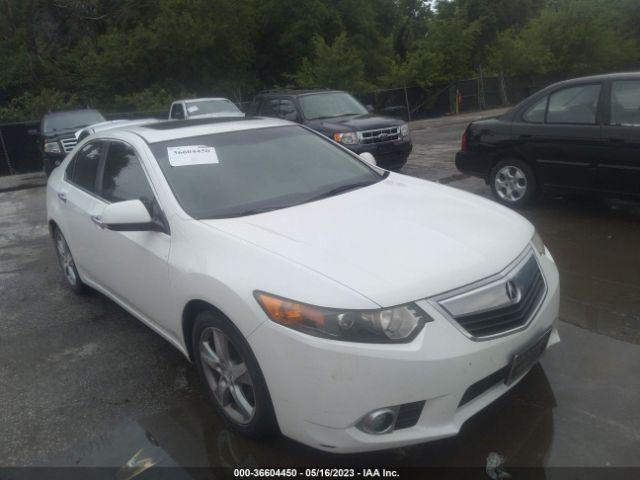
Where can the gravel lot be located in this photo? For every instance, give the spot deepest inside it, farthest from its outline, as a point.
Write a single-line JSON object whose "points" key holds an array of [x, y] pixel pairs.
{"points": [[84, 383]]}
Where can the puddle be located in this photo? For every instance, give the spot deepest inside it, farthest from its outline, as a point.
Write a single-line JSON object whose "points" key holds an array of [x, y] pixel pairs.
{"points": [[520, 426]]}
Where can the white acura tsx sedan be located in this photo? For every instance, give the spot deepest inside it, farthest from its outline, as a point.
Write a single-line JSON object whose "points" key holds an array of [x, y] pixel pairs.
{"points": [[348, 307]]}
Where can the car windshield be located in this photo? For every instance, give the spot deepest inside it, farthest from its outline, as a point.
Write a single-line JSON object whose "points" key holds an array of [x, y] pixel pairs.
{"points": [[253, 171], [68, 120], [207, 107], [328, 105]]}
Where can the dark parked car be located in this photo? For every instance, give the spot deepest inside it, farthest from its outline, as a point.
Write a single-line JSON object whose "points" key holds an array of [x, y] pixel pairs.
{"points": [[57, 134], [577, 136], [341, 117]]}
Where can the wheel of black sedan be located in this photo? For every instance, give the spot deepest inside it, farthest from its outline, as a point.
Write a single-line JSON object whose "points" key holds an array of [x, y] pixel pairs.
{"points": [[513, 183], [229, 370], [67, 264]]}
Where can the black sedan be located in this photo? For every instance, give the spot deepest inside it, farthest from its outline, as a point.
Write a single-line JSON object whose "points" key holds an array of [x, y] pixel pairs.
{"points": [[577, 136]]}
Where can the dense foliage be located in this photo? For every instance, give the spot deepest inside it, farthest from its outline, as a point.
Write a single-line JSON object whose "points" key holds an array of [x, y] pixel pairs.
{"points": [[139, 54]]}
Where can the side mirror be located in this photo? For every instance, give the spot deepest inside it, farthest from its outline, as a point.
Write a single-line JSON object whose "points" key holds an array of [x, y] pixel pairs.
{"points": [[367, 157], [129, 216], [34, 132], [369, 108]]}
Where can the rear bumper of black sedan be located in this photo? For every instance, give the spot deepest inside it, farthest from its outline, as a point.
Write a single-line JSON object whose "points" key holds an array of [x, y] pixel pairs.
{"points": [[473, 164]]}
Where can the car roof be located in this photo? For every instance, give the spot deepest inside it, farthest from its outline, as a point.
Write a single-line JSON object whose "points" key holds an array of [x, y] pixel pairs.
{"points": [[274, 93], [175, 129], [602, 77], [202, 99]]}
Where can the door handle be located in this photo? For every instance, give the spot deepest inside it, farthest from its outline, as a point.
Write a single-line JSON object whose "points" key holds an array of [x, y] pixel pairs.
{"points": [[525, 136], [97, 219], [616, 140], [62, 197]]}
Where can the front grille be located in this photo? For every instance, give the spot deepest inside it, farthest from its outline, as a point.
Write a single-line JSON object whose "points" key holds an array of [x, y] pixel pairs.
{"points": [[409, 414], [489, 310], [68, 144], [379, 135]]}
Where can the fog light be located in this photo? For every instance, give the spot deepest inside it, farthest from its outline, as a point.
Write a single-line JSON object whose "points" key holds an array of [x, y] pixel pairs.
{"points": [[379, 421]]}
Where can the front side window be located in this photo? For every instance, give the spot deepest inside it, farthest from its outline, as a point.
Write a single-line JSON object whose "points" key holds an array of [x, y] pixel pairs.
{"points": [[123, 177], [625, 103], [85, 169], [329, 105], [240, 173], [536, 113], [577, 105]]}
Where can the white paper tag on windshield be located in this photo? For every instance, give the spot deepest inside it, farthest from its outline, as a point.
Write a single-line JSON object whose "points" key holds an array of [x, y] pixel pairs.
{"points": [[192, 155], [192, 108]]}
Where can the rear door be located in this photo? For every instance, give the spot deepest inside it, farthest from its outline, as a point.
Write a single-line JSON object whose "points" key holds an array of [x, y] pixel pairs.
{"points": [[619, 168], [82, 206], [562, 135]]}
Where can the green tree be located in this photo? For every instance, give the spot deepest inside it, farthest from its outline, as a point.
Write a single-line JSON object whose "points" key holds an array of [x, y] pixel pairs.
{"points": [[569, 37], [338, 65]]}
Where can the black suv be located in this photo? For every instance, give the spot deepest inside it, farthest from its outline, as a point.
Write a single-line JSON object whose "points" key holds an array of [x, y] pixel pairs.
{"points": [[57, 134], [342, 118], [576, 136]]}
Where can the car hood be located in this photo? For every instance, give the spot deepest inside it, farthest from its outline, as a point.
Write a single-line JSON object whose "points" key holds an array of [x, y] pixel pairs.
{"points": [[62, 133], [400, 240], [355, 123]]}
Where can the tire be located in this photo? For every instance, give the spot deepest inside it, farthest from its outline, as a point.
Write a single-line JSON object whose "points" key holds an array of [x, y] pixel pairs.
{"points": [[513, 183], [66, 262], [233, 380]]}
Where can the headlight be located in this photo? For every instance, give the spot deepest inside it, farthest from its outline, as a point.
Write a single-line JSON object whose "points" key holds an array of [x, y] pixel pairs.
{"points": [[52, 147], [392, 325], [347, 138], [538, 244], [404, 130]]}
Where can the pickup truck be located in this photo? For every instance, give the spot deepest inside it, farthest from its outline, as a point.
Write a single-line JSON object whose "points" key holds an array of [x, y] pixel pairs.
{"points": [[203, 108]]}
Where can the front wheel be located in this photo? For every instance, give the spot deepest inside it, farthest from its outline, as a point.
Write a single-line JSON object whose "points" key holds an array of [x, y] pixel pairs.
{"points": [[513, 183], [234, 381]]}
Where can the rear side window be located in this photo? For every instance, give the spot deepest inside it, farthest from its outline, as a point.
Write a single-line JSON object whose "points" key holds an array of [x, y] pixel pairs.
{"points": [[577, 105], [535, 114], [85, 166], [177, 111], [270, 107], [625, 103], [288, 110], [123, 177]]}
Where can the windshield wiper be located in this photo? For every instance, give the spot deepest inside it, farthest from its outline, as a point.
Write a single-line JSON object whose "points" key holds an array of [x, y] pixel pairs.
{"points": [[251, 211], [341, 189]]}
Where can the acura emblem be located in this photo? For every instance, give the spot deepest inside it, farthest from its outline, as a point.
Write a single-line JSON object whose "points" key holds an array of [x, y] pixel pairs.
{"points": [[512, 291]]}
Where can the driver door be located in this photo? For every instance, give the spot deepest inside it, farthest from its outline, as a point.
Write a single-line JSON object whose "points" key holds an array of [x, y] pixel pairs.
{"points": [[134, 264]]}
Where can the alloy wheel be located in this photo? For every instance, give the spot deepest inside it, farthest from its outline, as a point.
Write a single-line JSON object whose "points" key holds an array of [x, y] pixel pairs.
{"points": [[510, 183], [66, 260], [227, 375]]}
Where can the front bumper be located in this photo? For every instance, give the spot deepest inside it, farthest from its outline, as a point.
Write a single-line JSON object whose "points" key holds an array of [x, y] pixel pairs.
{"points": [[388, 155], [320, 388]]}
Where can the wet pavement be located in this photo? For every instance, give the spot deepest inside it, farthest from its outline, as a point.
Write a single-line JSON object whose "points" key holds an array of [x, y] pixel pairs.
{"points": [[84, 383]]}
